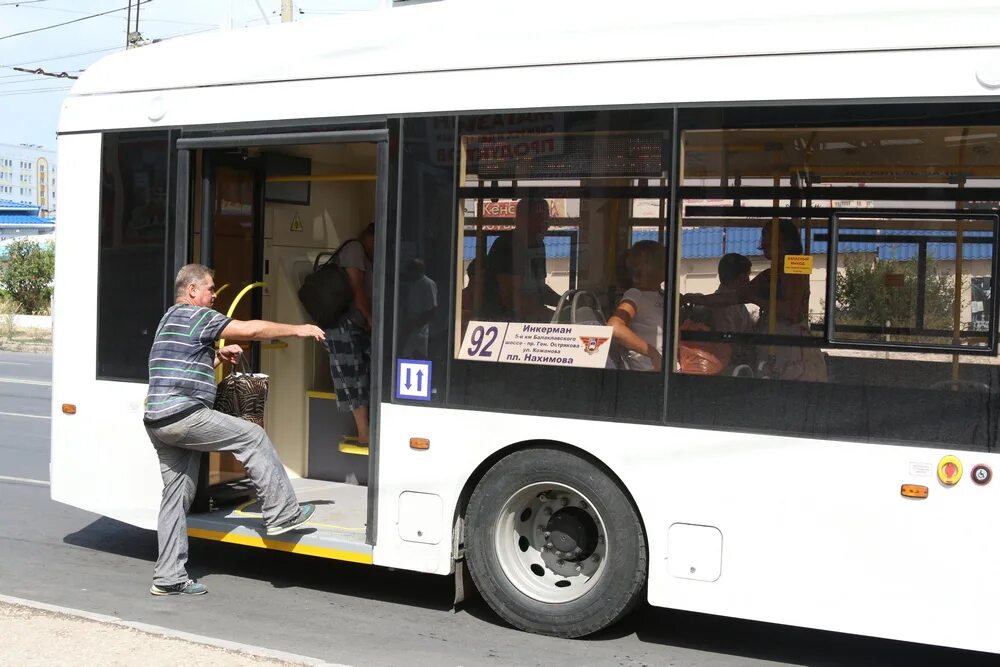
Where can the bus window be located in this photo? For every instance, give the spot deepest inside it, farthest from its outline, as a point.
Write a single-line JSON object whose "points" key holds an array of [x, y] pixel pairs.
{"points": [[132, 284], [562, 223], [867, 267]]}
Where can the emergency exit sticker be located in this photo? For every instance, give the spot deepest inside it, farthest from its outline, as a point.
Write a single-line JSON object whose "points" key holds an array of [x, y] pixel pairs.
{"points": [[800, 264]]}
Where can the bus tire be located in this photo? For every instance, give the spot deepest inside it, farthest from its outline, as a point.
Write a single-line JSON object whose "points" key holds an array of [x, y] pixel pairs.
{"points": [[554, 545]]}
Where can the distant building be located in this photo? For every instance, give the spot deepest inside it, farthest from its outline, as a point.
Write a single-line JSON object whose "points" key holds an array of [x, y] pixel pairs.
{"points": [[19, 220], [28, 176]]}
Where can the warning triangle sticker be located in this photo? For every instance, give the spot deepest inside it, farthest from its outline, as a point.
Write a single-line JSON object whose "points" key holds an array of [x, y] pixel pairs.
{"points": [[296, 224]]}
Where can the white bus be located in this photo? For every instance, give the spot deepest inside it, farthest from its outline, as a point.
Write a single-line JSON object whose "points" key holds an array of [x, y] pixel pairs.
{"points": [[828, 466]]}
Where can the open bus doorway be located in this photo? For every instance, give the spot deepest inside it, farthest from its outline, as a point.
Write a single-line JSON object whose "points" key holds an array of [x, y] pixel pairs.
{"points": [[261, 215]]}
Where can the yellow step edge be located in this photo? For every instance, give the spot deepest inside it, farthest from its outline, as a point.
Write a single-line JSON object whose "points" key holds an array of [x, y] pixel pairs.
{"points": [[348, 447], [290, 547], [329, 395]]}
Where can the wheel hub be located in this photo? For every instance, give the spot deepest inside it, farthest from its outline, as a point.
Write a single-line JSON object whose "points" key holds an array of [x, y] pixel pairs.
{"points": [[551, 542], [572, 534]]}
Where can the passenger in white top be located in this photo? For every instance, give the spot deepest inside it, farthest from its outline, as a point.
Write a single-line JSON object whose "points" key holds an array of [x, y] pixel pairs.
{"points": [[637, 322]]}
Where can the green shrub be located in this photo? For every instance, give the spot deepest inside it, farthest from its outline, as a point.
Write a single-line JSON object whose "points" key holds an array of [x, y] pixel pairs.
{"points": [[26, 276]]}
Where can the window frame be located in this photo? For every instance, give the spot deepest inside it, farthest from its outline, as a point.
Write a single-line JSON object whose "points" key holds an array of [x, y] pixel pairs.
{"points": [[833, 342]]}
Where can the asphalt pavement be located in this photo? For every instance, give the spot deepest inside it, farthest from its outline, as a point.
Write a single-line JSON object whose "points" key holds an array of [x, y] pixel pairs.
{"points": [[332, 611]]}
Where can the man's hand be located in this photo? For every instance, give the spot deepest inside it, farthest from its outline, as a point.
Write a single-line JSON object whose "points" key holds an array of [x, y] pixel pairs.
{"points": [[310, 331], [230, 353], [657, 359]]}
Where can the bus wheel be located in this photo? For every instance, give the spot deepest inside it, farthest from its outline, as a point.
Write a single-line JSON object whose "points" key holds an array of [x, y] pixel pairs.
{"points": [[554, 545]]}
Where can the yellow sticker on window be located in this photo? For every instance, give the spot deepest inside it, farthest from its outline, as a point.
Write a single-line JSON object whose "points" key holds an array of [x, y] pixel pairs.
{"points": [[800, 264]]}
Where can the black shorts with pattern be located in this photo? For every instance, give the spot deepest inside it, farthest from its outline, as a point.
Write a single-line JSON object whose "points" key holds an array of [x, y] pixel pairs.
{"points": [[349, 346]]}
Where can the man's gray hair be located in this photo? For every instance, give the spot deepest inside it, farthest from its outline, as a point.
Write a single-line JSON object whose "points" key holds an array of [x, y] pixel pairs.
{"points": [[191, 273]]}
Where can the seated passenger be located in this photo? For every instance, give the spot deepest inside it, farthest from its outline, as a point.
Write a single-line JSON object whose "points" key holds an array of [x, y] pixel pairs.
{"points": [[637, 322], [734, 274], [514, 287], [791, 308]]}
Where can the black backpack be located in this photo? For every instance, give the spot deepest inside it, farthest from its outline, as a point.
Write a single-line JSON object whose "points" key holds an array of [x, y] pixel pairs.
{"points": [[326, 292]]}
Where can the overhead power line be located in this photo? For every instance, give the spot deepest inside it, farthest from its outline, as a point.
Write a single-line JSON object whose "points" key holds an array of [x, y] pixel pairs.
{"points": [[70, 55], [32, 91], [79, 13], [59, 25], [41, 72]]}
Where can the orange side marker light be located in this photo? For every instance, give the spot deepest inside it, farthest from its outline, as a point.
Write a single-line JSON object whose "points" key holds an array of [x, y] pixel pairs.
{"points": [[68, 409], [420, 443], [913, 491]]}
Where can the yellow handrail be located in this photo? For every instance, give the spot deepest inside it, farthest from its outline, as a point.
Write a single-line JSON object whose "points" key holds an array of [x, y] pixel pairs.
{"points": [[232, 309]]}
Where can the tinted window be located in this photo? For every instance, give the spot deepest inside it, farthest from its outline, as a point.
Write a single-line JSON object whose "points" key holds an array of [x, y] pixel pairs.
{"points": [[132, 286], [560, 260], [864, 241]]}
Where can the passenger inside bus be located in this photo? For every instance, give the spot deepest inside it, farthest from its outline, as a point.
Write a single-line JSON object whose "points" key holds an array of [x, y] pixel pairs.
{"points": [[469, 295], [515, 289], [734, 274], [349, 342], [637, 322], [790, 309], [418, 301]]}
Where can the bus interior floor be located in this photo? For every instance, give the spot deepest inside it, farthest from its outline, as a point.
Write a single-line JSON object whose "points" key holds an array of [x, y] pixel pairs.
{"points": [[336, 529]]}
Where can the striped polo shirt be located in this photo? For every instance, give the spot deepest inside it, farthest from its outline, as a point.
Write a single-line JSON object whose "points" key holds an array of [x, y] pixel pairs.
{"points": [[181, 362]]}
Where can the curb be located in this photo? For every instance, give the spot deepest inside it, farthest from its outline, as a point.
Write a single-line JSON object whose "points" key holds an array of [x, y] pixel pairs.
{"points": [[168, 633]]}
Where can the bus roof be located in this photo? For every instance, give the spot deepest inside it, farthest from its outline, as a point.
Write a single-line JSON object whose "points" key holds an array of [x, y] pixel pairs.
{"points": [[480, 34]]}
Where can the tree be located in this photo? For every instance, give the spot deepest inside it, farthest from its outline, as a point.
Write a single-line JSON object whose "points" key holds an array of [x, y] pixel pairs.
{"points": [[27, 275], [884, 294]]}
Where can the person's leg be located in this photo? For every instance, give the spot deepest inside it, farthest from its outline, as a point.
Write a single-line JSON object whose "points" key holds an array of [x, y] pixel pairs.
{"points": [[179, 470], [361, 422], [349, 373], [212, 431]]}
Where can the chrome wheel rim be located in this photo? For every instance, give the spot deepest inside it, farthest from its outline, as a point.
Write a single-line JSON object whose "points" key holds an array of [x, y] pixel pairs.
{"points": [[551, 542]]}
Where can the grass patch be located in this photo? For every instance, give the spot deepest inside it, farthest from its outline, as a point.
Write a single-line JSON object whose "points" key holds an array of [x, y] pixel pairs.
{"points": [[17, 339], [14, 338]]}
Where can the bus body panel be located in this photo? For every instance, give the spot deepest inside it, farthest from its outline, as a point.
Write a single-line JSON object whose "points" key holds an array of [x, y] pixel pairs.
{"points": [[421, 39], [852, 76], [814, 533], [101, 459]]}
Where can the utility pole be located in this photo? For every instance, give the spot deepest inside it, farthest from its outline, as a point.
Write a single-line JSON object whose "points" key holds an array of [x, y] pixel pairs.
{"points": [[286, 11]]}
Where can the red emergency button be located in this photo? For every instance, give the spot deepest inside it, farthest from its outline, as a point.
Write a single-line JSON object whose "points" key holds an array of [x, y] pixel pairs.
{"points": [[949, 470]]}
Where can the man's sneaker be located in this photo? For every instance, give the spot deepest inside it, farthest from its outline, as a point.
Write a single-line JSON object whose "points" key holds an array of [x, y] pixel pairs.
{"points": [[305, 511], [188, 587]]}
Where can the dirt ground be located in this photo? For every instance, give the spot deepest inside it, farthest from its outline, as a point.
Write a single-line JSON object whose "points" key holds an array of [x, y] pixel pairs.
{"points": [[37, 637]]}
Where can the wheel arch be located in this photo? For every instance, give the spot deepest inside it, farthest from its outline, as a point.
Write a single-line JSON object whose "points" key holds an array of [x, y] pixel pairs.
{"points": [[480, 471]]}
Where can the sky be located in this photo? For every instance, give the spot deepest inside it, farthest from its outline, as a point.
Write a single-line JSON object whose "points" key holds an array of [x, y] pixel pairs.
{"points": [[29, 103]]}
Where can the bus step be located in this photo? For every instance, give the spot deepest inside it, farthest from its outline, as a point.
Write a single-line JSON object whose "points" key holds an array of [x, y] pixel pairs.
{"points": [[351, 446]]}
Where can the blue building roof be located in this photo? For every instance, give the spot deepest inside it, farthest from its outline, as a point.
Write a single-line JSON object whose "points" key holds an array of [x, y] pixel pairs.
{"points": [[20, 220]]}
